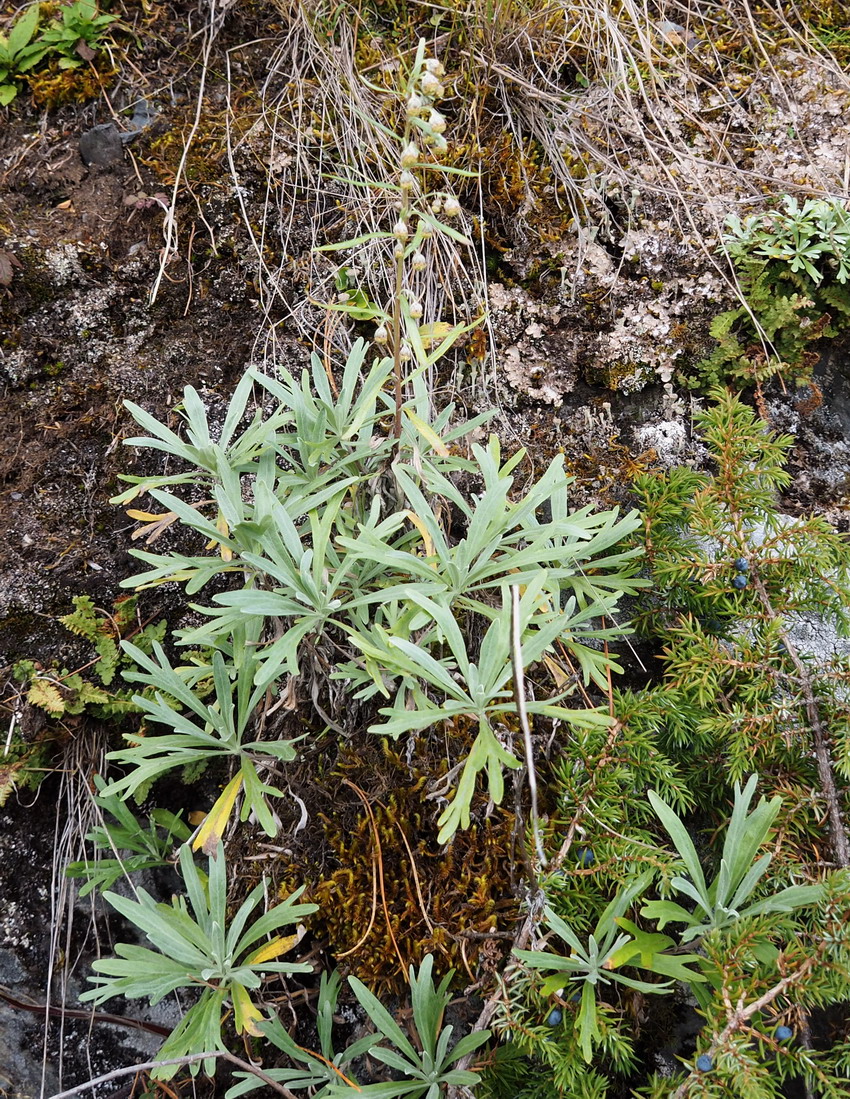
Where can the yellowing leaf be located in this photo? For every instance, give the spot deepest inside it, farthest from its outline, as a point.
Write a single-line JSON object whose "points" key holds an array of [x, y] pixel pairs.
{"points": [[428, 434], [280, 944], [145, 516], [561, 678], [212, 829], [47, 696], [174, 577], [423, 530], [154, 524], [7, 782], [221, 524], [433, 334], [246, 1012]]}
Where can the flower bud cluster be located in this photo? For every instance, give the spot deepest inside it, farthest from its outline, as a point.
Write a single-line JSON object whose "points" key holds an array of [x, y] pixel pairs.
{"points": [[425, 129], [420, 109], [448, 204]]}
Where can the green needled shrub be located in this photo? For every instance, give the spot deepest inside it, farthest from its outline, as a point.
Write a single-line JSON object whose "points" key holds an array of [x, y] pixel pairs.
{"points": [[753, 917], [740, 692]]}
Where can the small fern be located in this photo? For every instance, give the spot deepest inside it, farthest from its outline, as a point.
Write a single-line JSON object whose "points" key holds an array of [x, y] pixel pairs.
{"points": [[87, 622]]}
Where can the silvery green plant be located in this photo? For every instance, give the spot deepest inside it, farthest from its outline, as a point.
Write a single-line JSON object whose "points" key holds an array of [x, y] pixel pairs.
{"points": [[614, 942], [134, 845], [730, 896], [730, 902], [308, 1071], [813, 238], [450, 688], [203, 727], [198, 948], [337, 535], [424, 1058]]}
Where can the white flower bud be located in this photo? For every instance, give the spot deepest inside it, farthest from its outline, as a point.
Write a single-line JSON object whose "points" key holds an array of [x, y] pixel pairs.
{"points": [[431, 86], [407, 180], [398, 251], [381, 334], [435, 67], [414, 105], [418, 261], [410, 155], [436, 204], [427, 231], [437, 122], [439, 144], [400, 231], [404, 353], [451, 207], [416, 310]]}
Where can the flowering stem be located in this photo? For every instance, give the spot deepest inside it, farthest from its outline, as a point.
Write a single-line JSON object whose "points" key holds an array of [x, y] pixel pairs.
{"points": [[399, 272], [398, 252]]}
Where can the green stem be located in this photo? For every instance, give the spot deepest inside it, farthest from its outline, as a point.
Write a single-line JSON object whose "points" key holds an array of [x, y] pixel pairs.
{"points": [[397, 376], [404, 215]]}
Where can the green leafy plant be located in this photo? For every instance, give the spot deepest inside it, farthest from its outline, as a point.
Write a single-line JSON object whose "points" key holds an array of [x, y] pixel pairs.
{"points": [[729, 896], [61, 693], [608, 947], [792, 270], [77, 35], [813, 238], [749, 935], [19, 52], [198, 947], [47, 702], [764, 971], [135, 846]]}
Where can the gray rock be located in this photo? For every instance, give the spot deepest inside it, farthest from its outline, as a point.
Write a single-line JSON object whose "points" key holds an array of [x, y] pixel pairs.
{"points": [[102, 145], [11, 970]]}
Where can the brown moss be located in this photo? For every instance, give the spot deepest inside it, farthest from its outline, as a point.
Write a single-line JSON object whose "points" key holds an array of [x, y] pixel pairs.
{"points": [[203, 164], [52, 86], [440, 900]]}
